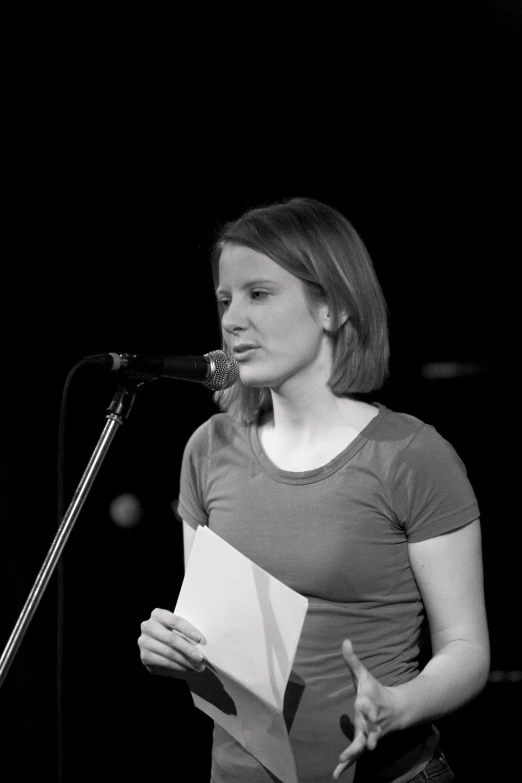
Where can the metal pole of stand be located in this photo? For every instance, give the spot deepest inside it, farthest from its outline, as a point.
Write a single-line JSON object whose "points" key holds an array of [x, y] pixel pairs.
{"points": [[119, 410]]}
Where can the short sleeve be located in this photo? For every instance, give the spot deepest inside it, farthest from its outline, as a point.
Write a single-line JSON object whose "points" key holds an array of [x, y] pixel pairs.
{"points": [[194, 469], [431, 492]]}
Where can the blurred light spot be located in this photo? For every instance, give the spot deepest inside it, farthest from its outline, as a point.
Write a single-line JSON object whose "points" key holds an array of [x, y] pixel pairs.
{"points": [[125, 510], [450, 369], [505, 676], [435, 370]]}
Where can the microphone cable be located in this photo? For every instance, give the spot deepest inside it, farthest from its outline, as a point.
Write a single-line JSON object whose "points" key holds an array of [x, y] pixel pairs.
{"points": [[60, 494]]}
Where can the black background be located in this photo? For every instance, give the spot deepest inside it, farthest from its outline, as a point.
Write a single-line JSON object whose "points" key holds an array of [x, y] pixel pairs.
{"points": [[129, 141]]}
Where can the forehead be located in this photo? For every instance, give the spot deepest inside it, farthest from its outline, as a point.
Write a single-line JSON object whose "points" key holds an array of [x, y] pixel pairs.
{"points": [[238, 264]]}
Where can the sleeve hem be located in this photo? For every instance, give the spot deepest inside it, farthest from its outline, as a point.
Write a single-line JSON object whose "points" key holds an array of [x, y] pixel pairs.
{"points": [[184, 515], [446, 525]]}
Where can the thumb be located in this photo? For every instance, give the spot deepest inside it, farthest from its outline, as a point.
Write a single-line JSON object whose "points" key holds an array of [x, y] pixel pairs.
{"points": [[351, 660]]}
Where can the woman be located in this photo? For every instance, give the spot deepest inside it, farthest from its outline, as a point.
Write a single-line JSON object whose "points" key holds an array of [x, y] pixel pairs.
{"points": [[366, 512]]}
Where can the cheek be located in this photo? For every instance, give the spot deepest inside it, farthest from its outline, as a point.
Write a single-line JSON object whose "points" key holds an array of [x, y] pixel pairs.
{"points": [[292, 316], [298, 325]]}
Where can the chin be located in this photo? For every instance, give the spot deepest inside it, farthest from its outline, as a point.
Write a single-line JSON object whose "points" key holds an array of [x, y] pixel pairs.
{"points": [[249, 377], [252, 382]]}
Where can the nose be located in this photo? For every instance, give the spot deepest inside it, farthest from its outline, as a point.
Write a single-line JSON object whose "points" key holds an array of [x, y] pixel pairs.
{"points": [[234, 318]]}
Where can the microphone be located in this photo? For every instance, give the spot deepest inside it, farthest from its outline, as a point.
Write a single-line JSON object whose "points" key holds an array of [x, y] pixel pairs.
{"points": [[215, 370]]}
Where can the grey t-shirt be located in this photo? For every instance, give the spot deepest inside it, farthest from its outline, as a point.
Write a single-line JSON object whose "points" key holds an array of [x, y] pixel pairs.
{"points": [[338, 535]]}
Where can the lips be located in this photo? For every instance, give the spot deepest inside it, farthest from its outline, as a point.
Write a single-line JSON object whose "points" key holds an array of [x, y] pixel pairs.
{"points": [[243, 347], [244, 351]]}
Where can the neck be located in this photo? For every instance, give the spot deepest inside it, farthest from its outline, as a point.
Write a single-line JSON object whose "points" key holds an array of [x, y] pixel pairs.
{"points": [[304, 408], [311, 414]]}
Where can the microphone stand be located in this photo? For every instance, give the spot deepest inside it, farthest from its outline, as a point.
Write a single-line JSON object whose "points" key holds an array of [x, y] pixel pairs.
{"points": [[118, 412]]}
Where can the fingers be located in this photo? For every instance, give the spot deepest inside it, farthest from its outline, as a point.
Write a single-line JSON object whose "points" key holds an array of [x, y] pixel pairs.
{"points": [[366, 721], [338, 771], [177, 623], [160, 658], [367, 733], [168, 645], [350, 755], [363, 741], [368, 710], [351, 659], [163, 665], [367, 705], [354, 750], [171, 635]]}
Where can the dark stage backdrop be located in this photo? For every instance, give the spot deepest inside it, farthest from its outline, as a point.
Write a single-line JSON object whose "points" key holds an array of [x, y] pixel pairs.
{"points": [[117, 188]]}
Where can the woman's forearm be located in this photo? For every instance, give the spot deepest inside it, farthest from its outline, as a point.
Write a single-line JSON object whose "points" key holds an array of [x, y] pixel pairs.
{"points": [[455, 675]]}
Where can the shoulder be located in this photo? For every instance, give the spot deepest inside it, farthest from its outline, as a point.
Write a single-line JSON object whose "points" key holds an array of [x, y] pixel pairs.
{"points": [[402, 427], [429, 487], [218, 429], [409, 431], [414, 441]]}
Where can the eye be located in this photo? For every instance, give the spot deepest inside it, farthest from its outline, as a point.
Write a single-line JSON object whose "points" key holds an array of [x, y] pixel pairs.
{"points": [[258, 295]]}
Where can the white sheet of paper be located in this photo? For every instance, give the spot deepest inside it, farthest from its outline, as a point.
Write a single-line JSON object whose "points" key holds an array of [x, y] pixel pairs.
{"points": [[252, 623]]}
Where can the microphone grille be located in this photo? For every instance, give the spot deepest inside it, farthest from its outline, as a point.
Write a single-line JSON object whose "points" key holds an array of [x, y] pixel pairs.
{"points": [[226, 371]]}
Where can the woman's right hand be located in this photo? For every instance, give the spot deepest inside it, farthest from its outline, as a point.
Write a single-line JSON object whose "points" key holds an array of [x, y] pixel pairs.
{"points": [[166, 647]]}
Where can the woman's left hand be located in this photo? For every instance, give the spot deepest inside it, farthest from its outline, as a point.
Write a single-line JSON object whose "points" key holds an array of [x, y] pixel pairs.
{"points": [[374, 711]]}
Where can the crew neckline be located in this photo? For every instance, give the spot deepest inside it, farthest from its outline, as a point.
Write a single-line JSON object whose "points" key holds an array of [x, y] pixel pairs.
{"points": [[317, 474]]}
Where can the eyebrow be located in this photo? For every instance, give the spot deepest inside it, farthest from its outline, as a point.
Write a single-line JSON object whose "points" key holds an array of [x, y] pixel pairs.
{"points": [[257, 281]]}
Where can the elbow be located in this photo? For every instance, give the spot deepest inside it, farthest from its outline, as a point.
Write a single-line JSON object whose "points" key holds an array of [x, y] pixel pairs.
{"points": [[485, 669], [483, 662], [473, 666]]}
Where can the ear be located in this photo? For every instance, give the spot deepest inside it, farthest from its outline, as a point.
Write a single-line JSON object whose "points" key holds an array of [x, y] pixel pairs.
{"points": [[327, 318]]}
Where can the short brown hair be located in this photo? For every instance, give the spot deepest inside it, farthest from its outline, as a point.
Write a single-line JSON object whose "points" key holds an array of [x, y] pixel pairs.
{"points": [[317, 244]]}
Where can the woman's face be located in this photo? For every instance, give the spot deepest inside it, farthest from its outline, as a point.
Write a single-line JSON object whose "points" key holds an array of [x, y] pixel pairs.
{"points": [[267, 321]]}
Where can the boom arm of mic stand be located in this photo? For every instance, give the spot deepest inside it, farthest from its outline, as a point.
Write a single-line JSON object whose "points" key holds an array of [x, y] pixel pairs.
{"points": [[118, 412]]}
